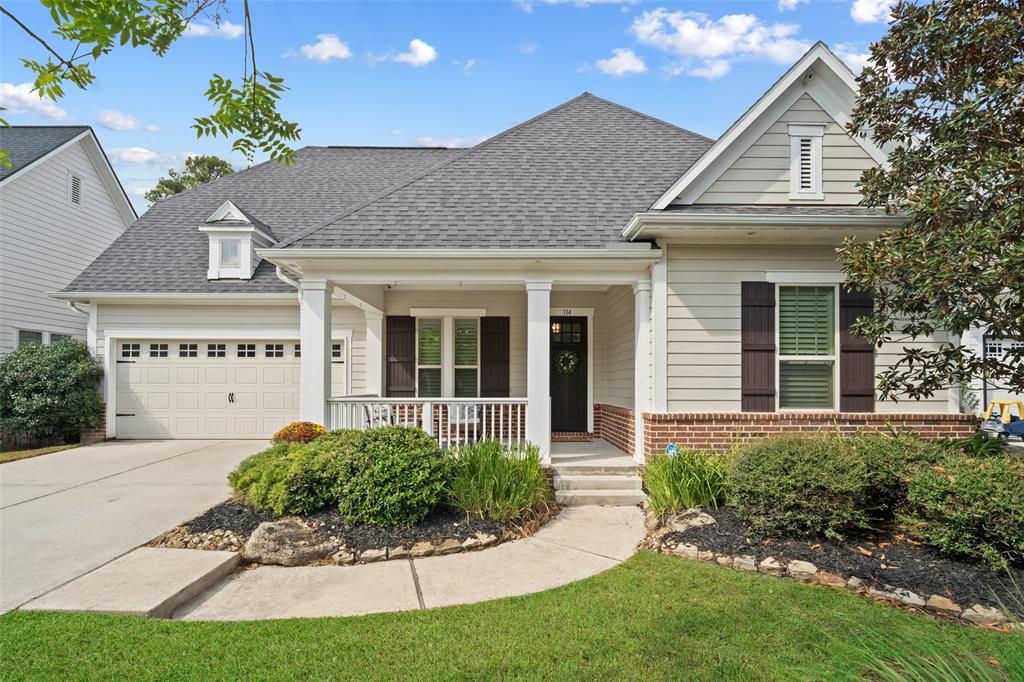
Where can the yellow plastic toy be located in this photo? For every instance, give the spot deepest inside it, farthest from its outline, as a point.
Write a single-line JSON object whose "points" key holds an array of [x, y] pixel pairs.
{"points": [[1004, 410]]}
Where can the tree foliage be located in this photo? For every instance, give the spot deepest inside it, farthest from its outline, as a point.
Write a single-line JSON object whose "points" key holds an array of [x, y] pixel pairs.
{"points": [[199, 170], [944, 94]]}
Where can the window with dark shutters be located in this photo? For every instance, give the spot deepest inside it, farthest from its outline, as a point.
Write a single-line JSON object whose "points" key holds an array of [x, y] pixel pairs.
{"points": [[494, 357], [400, 350], [856, 355], [757, 325]]}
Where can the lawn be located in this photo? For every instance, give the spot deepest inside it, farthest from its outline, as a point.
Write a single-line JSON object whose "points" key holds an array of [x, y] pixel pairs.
{"points": [[654, 617], [15, 455]]}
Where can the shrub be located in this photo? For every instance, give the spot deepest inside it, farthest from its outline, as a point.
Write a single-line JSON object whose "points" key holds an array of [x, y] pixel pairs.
{"points": [[394, 476], [493, 481], [800, 486], [298, 432], [50, 392], [685, 478], [891, 461], [970, 507]]}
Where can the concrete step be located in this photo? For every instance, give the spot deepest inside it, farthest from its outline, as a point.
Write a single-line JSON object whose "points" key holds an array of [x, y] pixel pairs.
{"points": [[597, 483], [607, 498], [595, 469]]}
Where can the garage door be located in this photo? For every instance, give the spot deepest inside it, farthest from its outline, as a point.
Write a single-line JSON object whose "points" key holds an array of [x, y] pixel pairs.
{"points": [[194, 388]]}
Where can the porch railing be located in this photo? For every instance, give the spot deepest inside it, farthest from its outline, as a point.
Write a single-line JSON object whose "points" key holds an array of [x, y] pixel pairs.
{"points": [[451, 421]]}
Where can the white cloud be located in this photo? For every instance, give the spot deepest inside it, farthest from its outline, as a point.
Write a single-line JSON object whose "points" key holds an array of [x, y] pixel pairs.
{"points": [[139, 156], [137, 191], [790, 5], [854, 58], [396, 132], [466, 66], [208, 29], [18, 98], [528, 5], [427, 141], [871, 11], [707, 47], [326, 48], [118, 120], [419, 54], [622, 62]]}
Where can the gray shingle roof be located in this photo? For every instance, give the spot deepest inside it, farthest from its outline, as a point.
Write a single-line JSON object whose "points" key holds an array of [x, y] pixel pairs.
{"points": [[26, 144], [571, 177], [164, 251], [775, 209]]}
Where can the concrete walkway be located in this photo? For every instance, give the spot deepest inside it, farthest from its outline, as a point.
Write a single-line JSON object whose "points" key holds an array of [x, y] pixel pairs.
{"points": [[65, 514], [581, 542]]}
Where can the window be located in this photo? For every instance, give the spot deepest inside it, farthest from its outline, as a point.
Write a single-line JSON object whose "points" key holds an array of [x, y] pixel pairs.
{"points": [[215, 350], [26, 337], [230, 253], [188, 350], [807, 347], [74, 189], [805, 144], [298, 350], [57, 338], [158, 350], [338, 353], [566, 332], [131, 350], [274, 350], [247, 350], [428, 357], [467, 357]]}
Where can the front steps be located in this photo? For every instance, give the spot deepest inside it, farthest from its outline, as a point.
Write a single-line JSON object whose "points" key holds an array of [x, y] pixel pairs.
{"points": [[595, 474]]}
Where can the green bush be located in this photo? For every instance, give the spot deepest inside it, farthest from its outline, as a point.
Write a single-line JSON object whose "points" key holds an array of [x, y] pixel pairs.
{"points": [[685, 478], [800, 486], [50, 392], [493, 481], [292, 478], [970, 507], [394, 477], [891, 461]]}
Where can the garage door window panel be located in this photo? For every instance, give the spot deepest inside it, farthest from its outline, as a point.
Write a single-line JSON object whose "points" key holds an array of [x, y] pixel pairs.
{"points": [[247, 350]]}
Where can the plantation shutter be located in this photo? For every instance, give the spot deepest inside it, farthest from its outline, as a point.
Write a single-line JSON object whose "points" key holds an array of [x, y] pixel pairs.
{"points": [[757, 349], [400, 375], [806, 330], [856, 355], [494, 357]]}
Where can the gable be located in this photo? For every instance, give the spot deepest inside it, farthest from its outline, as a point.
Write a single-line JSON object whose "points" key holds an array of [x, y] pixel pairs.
{"points": [[761, 174]]}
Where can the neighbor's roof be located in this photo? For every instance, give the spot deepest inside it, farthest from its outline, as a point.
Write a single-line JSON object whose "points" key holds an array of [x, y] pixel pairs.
{"points": [[164, 251], [842, 210], [27, 144], [569, 178]]}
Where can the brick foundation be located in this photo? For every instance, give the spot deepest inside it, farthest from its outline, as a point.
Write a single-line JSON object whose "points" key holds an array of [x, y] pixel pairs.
{"points": [[720, 430], [97, 434], [615, 425]]}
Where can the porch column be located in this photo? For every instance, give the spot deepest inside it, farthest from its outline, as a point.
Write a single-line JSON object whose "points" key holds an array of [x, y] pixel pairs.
{"points": [[642, 363], [374, 351], [538, 366], [315, 337]]}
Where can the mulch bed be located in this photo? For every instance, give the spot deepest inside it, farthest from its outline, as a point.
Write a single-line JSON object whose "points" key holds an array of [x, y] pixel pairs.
{"points": [[882, 557], [440, 525]]}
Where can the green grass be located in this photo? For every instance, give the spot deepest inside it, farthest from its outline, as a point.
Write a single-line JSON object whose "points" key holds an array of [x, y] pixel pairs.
{"points": [[654, 617], [15, 455]]}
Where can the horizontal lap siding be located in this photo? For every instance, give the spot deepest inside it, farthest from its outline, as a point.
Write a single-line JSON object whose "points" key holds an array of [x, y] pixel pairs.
{"points": [[619, 348], [704, 323]]}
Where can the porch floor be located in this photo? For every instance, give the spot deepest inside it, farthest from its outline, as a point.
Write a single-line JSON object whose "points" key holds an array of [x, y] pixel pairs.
{"points": [[597, 452]]}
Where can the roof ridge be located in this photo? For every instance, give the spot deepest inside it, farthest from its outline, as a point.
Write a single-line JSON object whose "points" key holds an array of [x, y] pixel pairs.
{"points": [[44, 125], [379, 146], [302, 235], [649, 117]]}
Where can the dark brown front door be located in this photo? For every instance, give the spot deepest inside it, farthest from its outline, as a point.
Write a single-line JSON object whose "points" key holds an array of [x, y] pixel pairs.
{"points": [[569, 373]]}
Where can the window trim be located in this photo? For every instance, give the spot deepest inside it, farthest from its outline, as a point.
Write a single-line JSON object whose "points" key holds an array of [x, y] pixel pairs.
{"points": [[815, 133], [834, 358]]}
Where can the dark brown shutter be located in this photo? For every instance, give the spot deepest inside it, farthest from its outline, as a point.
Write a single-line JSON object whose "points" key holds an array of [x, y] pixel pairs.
{"points": [[757, 347], [400, 350], [494, 352], [856, 356]]}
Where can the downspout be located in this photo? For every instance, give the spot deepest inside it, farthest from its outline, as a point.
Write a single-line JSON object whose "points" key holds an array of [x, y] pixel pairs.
{"points": [[286, 279]]}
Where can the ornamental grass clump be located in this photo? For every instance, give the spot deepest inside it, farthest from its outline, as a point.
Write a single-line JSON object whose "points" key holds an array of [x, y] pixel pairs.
{"points": [[491, 480], [683, 478]]}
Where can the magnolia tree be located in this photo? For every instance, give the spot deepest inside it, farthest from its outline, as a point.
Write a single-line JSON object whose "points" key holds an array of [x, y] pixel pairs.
{"points": [[944, 93]]}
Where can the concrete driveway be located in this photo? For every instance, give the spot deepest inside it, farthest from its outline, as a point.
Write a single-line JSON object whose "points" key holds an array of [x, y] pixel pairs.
{"points": [[65, 514]]}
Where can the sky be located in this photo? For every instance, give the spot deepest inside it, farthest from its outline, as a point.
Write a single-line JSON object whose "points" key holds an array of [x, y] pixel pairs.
{"points": [[435, 73]]}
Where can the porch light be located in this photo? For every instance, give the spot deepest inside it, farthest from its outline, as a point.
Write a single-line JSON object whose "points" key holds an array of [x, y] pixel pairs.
{"points": [[556, 327]]}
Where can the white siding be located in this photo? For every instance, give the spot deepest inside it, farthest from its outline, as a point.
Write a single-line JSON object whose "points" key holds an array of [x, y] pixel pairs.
{"points": [[45, 241], [619, 347], [704, 323], [761, 174]]}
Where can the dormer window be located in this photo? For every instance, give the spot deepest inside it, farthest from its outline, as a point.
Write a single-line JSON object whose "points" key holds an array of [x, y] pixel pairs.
{"points": [[230, 256], [805, 159], [234, 237]]}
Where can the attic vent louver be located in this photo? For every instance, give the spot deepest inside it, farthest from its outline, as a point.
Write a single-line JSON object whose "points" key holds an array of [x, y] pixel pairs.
{"points": [[805, 159], [75, 189], [806, 173]]}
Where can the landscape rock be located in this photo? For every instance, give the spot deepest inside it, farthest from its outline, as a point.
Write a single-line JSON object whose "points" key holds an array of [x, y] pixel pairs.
{"points": [[724, 561], [691, 518], [830, 580], [421, 549], [983, 615], [899, 594], [802, 570], [770, 566], [652, 521], [369, 556], [344, 558], [286, 543], [705, 555], [470, 544], [687, 551], [854, 583], [745, 563], [449, 546], [937, 602], [486, 539], [398, 553]]}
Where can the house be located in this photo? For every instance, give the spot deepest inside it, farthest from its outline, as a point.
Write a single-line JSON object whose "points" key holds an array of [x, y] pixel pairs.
{"points": [[591, 272], [61, 205]]}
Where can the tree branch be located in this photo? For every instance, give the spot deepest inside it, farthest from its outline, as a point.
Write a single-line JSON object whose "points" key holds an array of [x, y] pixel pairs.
{"points": [[68, 65]]}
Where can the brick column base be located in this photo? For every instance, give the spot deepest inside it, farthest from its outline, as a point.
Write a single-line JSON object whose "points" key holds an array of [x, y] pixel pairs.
{"points": [[615, 425], [97, 434]]}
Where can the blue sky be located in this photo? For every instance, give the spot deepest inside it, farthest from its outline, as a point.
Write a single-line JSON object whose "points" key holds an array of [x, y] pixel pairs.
{"points": [[422, 73]]}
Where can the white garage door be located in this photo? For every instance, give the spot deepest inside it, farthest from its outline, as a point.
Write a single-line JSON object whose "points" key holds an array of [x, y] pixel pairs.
{"points": [[194, 388]]}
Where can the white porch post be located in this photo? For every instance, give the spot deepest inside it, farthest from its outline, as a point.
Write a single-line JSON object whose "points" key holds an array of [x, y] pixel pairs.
{"points": [[374, 352], [315, 337], [659, 333], [642, 363], [538, 366]]}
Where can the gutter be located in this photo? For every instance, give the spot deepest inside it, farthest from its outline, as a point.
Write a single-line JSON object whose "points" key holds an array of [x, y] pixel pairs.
{"points": [[626, 251], [660, 223], [73, 296]]}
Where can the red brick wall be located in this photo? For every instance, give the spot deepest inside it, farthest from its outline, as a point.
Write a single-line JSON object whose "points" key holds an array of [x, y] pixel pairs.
{"points": [[98, 434], [720, 430], [615, 425]]}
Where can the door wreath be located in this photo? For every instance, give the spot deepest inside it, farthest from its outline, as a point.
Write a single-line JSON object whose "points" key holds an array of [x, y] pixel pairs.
{"points": [[567, 362]]}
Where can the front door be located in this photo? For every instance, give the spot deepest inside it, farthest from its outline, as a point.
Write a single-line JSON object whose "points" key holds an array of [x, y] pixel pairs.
{"points": [[569, 374]]}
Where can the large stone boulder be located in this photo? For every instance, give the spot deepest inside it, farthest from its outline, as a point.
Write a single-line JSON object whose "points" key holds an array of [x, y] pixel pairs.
{"points": [[286, 543]]}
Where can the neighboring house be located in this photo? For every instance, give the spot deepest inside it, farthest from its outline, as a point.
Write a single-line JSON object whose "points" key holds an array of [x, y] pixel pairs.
{"points": [[983, 345], [591, 271], [61, 206]]}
